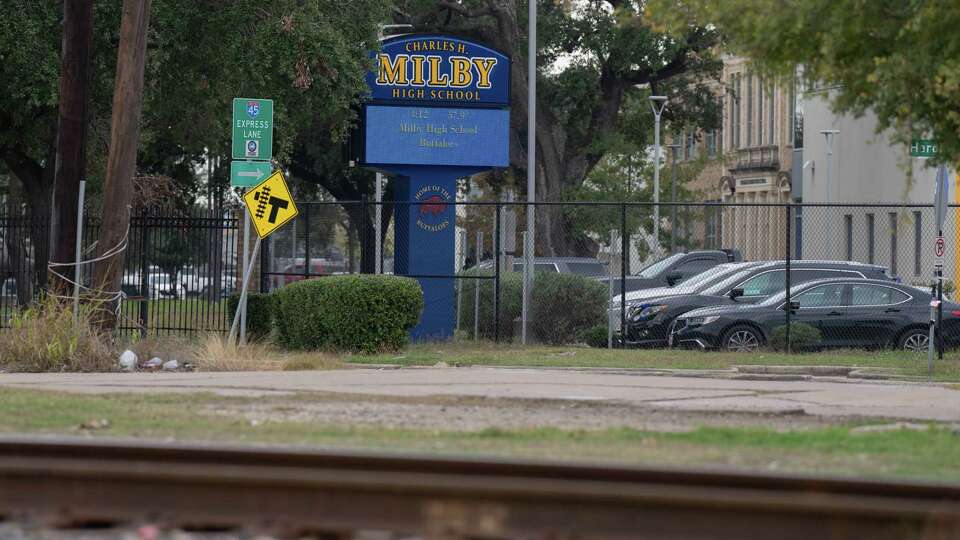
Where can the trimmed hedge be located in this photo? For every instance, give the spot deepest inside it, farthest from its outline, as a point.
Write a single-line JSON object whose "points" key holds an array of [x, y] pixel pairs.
{"points": [[511, 302], [595, 337], [802, 336], [563, 306], [259, 313], [366, 313]]}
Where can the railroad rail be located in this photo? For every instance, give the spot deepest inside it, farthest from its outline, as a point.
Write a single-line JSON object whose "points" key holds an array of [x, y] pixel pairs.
{"points": [[72, 482]]}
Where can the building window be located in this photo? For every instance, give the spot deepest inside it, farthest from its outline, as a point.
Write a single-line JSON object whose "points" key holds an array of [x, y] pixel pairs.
{"points": [[917, 239], [771, 114], [689, 146], [710, 140], [759, 110], [749, 90], [893, 243], [848, 229], [719, 137], [871, 249]]}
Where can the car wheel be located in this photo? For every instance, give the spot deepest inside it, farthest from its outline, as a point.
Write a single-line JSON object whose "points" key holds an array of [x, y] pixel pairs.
{"points": [[741, 338], [914, 340]]}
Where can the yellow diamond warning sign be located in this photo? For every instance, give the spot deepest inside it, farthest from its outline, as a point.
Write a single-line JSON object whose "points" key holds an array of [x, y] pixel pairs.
{"points": [[270, 204]]}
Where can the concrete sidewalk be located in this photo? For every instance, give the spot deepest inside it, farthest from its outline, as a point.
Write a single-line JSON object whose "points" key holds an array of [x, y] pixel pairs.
{"points": [[815, 397]]}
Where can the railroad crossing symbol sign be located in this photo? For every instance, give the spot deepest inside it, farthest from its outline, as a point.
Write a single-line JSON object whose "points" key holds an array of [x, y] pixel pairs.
{"points": [[270, 204], [939, 249]]}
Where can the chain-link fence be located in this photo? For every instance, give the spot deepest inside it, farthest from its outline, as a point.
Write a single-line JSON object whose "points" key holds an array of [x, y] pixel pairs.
{"points": [[600, 277], [717, 276]]}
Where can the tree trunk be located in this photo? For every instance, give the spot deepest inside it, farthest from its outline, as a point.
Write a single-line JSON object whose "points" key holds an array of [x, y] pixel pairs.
{"points": [[37, 183], [122, 159], [71, 136]]}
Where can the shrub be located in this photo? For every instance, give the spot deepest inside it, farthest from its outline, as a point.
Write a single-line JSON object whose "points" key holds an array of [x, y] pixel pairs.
{"points": [[564, 305], [595, 336], [259, 313], [44, 337], [511, 302], [802, 336], [365, 313]]}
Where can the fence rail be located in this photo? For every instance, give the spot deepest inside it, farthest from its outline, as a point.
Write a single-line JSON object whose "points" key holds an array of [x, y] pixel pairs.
{"points": [[180, 267], [73, 483]]}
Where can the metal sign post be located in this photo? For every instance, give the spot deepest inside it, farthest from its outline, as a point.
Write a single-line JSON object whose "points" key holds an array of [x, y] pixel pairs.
{"points": [[940, 198], [269, 207]]}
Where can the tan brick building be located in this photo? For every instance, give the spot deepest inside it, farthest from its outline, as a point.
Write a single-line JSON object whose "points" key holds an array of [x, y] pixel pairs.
{"points": [[748, 160]]}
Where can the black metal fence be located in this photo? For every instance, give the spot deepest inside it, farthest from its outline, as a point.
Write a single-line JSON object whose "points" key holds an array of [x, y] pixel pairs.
{"points": [[179, 268]]}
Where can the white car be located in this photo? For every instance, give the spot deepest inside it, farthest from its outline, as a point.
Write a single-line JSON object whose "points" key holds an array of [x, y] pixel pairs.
{"points": [[159, 285]]}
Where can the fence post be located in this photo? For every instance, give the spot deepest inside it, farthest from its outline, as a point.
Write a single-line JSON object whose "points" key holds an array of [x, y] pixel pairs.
{"points": [[524, 307], [476, 289], [364, 268], [496, 285], [458, 271], [624, 236], [144, 268], [789, 312], [613, 241], [306, 241]]}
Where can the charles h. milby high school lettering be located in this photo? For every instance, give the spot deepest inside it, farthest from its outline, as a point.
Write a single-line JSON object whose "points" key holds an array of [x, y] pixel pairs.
{"points": [[426, 69], [431, 71]]}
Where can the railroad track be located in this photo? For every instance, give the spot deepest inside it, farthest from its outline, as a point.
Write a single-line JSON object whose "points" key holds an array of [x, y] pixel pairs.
{"points": [[72, 482]]}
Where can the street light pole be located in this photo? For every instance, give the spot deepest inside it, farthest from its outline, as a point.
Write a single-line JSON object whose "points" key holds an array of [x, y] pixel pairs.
{"points": [[529, 243], [829, 134], [657, 103], [673, 197]]}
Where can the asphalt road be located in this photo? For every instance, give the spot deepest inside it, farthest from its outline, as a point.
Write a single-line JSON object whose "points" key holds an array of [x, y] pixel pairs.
{"points": [[821, 397]]}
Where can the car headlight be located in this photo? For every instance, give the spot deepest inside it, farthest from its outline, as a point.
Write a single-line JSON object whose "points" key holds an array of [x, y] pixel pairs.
{"points": [[646, 311], [700, 321]]}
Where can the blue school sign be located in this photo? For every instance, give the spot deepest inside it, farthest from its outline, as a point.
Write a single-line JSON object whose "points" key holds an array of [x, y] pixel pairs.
{"points": [[439, 111]]}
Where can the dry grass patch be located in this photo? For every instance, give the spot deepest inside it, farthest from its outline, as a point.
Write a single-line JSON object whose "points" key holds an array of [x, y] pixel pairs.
{"points": [[45, 337], [214, 353]]}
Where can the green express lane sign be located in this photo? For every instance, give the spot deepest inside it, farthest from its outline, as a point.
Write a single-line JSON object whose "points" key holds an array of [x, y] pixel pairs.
{"points": [[923, 148], [252, 129]]}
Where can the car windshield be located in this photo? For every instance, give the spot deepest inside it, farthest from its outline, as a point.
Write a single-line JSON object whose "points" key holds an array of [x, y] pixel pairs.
{"points": [[725, 284], [656, 268], [702, 279]]}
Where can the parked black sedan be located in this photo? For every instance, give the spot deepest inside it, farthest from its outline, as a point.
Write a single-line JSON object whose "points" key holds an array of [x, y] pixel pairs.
{"points": [[847, 313], [648, 324]]}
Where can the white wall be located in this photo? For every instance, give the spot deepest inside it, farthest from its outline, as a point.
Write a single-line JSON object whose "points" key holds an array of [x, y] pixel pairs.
{"points": [[867, 168]]}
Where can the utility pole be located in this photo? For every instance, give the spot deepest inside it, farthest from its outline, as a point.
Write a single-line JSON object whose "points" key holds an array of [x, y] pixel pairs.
{"points": [[122, 159], [71, 136]]}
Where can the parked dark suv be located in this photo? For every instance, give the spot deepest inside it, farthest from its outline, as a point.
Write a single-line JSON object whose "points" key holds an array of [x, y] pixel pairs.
{"points": [[648, 323], [675, 268]]}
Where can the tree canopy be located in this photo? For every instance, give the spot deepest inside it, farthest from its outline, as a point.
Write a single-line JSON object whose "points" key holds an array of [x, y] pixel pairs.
{"points": [[310, 57], [898, 58], [592, 56]]}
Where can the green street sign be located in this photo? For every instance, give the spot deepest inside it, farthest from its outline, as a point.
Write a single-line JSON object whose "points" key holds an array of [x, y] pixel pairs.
{"points": [[249, 173], [252, 129], [923, 148]]}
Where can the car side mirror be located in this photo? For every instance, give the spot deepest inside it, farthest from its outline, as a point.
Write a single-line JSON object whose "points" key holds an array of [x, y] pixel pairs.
{"points": [[792, 306], [735, 293], [673, 278]]}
